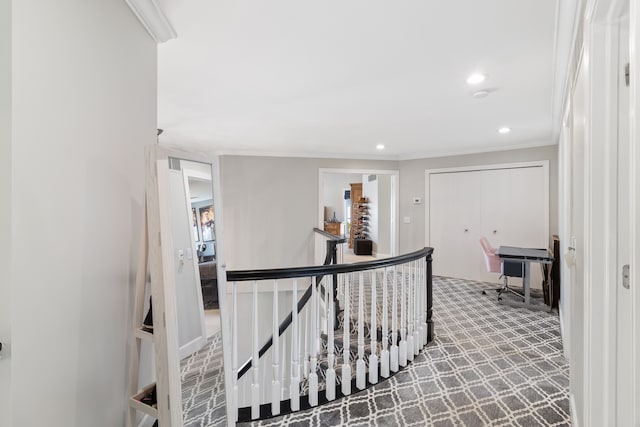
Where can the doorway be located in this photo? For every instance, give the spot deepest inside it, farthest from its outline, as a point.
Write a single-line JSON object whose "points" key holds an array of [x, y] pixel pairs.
{"points": [[380, 188]]}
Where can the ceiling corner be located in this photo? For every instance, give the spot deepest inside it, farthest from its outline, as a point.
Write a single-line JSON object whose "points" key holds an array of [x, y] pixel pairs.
{"points": [[153, 19]]}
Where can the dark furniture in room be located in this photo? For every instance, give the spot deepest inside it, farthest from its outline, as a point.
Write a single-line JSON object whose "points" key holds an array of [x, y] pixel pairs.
{"points": [[209, 284], [525, 256], [362, 247]]}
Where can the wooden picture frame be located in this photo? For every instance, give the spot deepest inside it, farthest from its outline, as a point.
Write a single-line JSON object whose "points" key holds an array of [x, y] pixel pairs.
{"points": [[206, 223]]}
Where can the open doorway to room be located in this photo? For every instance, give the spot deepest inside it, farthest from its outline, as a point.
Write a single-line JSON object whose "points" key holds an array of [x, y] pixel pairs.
{"points": [[362, 205]]}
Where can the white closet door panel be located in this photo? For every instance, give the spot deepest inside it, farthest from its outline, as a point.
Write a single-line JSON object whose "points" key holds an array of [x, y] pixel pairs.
{"points": [[514, 207], [454, 199], [465, 205], [513, 211]]}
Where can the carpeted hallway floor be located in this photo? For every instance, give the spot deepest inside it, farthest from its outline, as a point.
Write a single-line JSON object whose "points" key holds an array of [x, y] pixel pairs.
{"points": [[488, 365]]}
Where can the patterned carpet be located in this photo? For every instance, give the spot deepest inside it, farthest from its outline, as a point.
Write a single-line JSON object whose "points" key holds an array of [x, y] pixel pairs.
{"points": [[203, 402], [488, 365]]}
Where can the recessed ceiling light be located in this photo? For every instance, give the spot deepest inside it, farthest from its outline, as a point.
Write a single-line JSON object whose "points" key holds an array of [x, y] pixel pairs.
{"points": [[380, 147], [476, 78], [504, 130], [480, 94]]}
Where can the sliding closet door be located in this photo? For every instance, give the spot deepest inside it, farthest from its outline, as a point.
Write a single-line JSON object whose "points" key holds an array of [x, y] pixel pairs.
{"points": [[507, 205], [454, 223], [514, 212]]}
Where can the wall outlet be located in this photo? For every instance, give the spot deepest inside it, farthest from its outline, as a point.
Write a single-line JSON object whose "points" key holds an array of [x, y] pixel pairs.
{"points": [[417, 200]]}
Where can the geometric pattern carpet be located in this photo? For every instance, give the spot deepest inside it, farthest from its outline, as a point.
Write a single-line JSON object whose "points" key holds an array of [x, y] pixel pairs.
{"points": [[488, 365], [203, 402]]}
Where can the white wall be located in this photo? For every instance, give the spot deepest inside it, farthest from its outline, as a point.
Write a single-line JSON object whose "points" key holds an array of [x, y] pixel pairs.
{"points": [[384, 215], [271, 207], [333, 198], [5, 211], [412, 185], [84, 107]]}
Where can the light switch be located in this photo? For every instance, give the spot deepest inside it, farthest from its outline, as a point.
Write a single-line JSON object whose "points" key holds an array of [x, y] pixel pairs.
{"points": [[407, 220], [189, 254]]}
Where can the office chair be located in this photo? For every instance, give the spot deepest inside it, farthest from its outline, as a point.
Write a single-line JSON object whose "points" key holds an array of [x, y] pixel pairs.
{"points": [[505, 268]]}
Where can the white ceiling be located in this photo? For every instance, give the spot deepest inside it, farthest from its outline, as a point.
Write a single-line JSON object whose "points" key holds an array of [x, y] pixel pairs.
{"points": [[335, 78]]}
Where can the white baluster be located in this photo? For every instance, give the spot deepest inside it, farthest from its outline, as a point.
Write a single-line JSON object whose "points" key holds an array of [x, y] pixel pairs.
{"points": [[416, 309], [255, 386], [384, 355], [373, 357], [425, 332], [275, 384], [319, 323], [417, 331], [234, 398], [402, 356], [394, 354], [410, 299], [283, 376], [361, 377], [305, 367], [294, 390], [313, 375], [346, 323], [331, 372]]}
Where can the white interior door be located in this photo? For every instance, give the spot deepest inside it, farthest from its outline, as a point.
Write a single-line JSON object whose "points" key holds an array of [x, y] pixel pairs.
{"points": [[576, 277], [508, 205], [454, 223], [624, 338], [514, 212]]}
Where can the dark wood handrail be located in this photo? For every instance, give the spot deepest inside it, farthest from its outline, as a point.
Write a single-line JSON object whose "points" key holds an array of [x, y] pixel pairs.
{"points": [[322, 270], [330, 236]]}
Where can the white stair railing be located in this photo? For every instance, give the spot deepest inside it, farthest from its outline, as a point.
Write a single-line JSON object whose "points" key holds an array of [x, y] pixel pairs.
{"points": [[304, 352], [234, 355], [360, 365], [294, 389], [384, 354], [331, 373], [416, 309], [276, 393], [395, 350], [255, 386], [373, 357], [346, 326], [402, 356], [313, 375]]}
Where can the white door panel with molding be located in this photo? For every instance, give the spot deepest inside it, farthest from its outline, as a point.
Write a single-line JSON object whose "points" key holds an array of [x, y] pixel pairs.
{"points": [[506, 203]]}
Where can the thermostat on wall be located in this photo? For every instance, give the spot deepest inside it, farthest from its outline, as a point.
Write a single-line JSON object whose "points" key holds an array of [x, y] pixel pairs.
{"points": [[417, 200]]}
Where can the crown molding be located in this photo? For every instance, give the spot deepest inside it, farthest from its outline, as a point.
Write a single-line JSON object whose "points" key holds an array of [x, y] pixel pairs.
{"points": [[153, 19]]}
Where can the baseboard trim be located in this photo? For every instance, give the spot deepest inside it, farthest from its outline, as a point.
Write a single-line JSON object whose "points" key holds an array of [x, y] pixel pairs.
{"points": [[565, 341], [574, 412]]}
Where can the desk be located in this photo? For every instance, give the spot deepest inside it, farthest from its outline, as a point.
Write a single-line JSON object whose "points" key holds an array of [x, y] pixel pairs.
{"points": [[526, 256]]}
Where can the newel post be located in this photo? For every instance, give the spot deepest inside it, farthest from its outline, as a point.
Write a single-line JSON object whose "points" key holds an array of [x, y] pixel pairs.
{"points": [[429, 297], [332, 248]]}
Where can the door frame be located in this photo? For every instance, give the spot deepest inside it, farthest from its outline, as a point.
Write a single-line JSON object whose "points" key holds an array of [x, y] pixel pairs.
{"points": [[600, 211], [515, 165], [395, 198]]}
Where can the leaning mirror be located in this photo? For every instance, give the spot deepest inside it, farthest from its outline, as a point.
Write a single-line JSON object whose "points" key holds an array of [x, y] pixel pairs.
{"points": [[199, 333], [187, 273]]}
